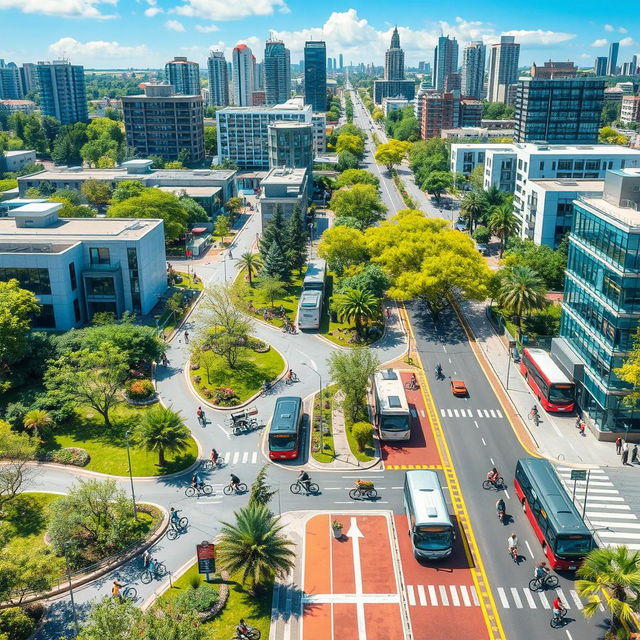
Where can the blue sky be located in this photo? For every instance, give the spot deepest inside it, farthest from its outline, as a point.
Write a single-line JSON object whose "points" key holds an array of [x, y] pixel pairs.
{"points": [[147, 33]]}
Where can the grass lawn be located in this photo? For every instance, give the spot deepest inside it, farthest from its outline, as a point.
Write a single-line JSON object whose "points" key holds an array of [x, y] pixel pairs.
{"points": [[107, 447], [322, 447], [241, 604], [188, 283], [246, 379]]}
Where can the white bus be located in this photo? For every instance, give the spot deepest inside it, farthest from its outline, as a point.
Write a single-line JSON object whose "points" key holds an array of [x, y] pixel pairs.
{"points": [[315, 276], [392, 416], [310, 310], [430, 527]]}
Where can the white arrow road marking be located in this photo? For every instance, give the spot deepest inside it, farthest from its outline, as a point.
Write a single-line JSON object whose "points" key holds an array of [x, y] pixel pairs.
{"points": [[355, 534], [226, 433]]}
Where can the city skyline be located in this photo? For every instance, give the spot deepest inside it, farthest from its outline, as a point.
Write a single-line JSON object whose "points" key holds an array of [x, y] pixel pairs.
{"points": [[79, 31]]}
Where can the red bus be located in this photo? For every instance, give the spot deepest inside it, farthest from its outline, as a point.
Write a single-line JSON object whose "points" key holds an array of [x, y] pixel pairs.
{"points": [[552, 388], [285, 428], [564, 536]]}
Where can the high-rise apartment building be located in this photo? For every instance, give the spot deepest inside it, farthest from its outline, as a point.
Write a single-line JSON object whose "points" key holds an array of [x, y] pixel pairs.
{"points": [[612, 60], [218, 79], [277, 72], [630, 109], [28, 77], [445, 60], [161, 123], [291, 145], [62, 91], [553, 70], [394, 59], [243, 78], [503, 69], [315, 74], [341, 58], [473, 64], [438, 113], [600, 66], [183, 76], [565, 111], [10, 82]]}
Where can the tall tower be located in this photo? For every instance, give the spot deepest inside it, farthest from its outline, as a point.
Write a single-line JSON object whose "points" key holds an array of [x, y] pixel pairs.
{"points": [[183, 75], [341, 58], [243, 69], [612, 62], [218, 79], [503, 68], [445, 60], [277, 72], [473, 62], [394, 59], [62, 91], [315, 74]]}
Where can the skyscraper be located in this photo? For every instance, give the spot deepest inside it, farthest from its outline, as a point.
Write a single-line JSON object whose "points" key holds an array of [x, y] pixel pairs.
{"points": [[10, 82], [341, 57], [600, 66], [218, 79], [445, 60], [28, 77], [62, 91], [394, 59], [315, 74], [183, 75], [473, 63], [503, 68], [277, 72], [612, 61], [243, 69]]}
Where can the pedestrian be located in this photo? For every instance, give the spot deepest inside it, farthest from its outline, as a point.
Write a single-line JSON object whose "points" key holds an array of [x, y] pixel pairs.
{"points": [[186, 337], [618, 445], [625, 452], [581, 427], [146, 559], [634, 454], [230, 255], [578, 421]]}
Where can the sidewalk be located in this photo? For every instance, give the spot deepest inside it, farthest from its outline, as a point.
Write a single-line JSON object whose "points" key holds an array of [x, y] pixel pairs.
{"points": [[556, 436]]}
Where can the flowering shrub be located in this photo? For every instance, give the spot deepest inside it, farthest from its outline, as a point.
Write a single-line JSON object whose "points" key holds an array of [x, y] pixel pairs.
{"points": [[69, 455], [225, 396], [197, 379], [140, 389]]}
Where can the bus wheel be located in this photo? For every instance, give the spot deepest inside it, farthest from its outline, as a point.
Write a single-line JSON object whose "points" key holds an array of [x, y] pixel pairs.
{"points": [[524, 507]]}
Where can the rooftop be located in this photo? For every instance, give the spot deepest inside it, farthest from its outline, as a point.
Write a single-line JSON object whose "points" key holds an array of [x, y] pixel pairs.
{"points": [[570, 185], [121, 173], [286, 176], [193, 192], [551, 149], [626, 215], [15, 154]]}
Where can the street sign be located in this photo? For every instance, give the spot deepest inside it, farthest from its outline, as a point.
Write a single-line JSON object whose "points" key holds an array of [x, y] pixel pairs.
{"points": [[578, 474], [206, 557]]}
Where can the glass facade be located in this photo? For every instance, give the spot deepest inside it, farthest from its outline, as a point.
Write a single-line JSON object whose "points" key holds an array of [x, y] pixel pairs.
{"points": [[601, 311], [315, 75], [34, 280]]}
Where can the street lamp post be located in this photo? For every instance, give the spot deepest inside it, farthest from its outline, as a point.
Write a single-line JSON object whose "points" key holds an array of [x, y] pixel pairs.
{"points": [[73, 603], [133, 494]]}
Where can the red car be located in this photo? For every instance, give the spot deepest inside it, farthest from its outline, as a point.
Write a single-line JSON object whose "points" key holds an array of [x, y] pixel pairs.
{"points": [[459, 388]]}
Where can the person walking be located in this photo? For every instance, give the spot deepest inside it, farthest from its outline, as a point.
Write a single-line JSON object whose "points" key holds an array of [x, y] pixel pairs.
{"points": [[581, 428], [618, 445], [625, 452], [634, 454]]}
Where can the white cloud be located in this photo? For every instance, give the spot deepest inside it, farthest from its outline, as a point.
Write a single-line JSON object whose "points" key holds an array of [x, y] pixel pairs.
{"points": [[62, 8], [539, 36], [207, 28], [627, 42], [622, 30], [602, 42], [586, 56], [97, 53], [230, 10], [152, 11], [174, 25], [609, 27]]}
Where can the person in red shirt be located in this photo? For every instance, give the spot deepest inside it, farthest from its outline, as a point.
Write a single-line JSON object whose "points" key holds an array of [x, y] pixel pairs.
{"points": [[557, 606]]}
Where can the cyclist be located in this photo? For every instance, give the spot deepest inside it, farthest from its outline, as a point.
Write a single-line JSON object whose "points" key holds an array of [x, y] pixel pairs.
{"points": [[242, 629], [266, 385], [512, 543], [153, 563], [196, 481], [557, 606], [540, 570], [200, 414], [500, 508], [115, 590], [438, 369], [186, 337], [304, 479], [235, 481], [413, 383], [146, 558], [534, 411], [214, 457], [175, 518], [493, 476], [290, 376]]}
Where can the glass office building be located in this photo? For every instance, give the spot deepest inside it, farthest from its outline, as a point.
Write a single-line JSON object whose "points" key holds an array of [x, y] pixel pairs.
{"points": [[315, 75], [601, 305]]}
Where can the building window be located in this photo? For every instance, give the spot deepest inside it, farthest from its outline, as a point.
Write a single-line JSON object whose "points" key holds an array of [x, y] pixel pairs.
{"points": [[541, 166], [99, 255], [46, 319], [101, 286], [34, 280], [76, 310], [72, 276]]}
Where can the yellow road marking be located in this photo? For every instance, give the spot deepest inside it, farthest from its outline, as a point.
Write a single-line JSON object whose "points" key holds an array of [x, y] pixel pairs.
{"points": [[476, 566]]}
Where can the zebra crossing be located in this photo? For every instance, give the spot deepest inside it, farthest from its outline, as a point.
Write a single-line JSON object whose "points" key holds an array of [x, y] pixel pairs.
{"points": [[606, 509], [240, 457], [470, 413], [441, 595]]}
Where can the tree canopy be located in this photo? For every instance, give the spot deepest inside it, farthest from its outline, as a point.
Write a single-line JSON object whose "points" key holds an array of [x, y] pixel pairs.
{"points": [[342, 246], [361, 201], [392, 153], [349, 177]]}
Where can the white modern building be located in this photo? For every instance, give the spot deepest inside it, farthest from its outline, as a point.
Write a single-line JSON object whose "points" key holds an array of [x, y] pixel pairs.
{"points": [[393, 104], [15, 160], [243, 71], [78, 267], [285, 188], [476, 133]]}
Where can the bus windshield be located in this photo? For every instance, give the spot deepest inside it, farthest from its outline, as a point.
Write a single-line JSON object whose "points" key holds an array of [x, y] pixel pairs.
{"points": [[432, 538], [394, 423], [561, 393], [573, 546], [282, 441]]}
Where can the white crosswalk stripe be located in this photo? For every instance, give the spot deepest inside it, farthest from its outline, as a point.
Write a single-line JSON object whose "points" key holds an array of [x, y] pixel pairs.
{"points": [[443, 595], [410, 595], [455, 413], [465, 596], [468, 413], [254, 457], [529, 596], [516, 597], [243, 457], [432, 595], [503, 598], [499, 413], [422, 596], [522, 598], [454, 596]]}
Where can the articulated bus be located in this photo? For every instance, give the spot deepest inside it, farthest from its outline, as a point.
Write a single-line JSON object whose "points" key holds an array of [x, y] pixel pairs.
{"points": [[554, 390], [392, 415], [430, 525], [564, 536], [285, 428]]}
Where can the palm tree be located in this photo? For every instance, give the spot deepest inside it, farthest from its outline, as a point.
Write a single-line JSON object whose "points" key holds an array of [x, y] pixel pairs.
{"points": [[37, 421], [255, 546], [613, 574], [252, 263], [473, 206], [503, 223], [521, 292], [161, 429], [357, 305], [493, 196]]}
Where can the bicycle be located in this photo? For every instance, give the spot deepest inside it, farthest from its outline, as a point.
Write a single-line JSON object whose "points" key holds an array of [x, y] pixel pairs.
{"points": [[251, 634], [513, 552], [267, 389], [557, 619], [204, 489], [308, 487], [412, 385], [208, 465], [241, 487], [177, 528], [491, 484], [547, 581], [129, 593], [244, 425], [364, 491], [159, 571]]}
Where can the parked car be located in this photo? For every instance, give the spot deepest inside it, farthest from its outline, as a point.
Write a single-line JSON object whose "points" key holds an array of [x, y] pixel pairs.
{"points": [[461, 224], [483, 248]]}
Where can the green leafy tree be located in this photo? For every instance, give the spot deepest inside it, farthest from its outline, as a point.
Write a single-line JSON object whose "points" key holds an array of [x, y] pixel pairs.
{"points": [[195, 212], [51, 127], [296, 240], [630, 372], [610, 112], [210, 140], [356, 176], [363, 434], [97, 192], [255, 547], [341, 247], [351, 370], [371, 278], [473, 207], [234, 205], [503, 223], [346, 160], [482, 235], [608, 135], [437, 182], [16, 451], [251, 263], [70, 210], [91, 378], [548, 263], [494, 197], [350, 143], [360, 201], [173, 164], [392, 153], [358, 305], [476, 178], [272, 232], [521, 292], [271, 289], [112, 618], [222, 227], [94, 149], [23, 569], [127, 189], [261, 490], [611, 575], [162, 430], [275, 264]]}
